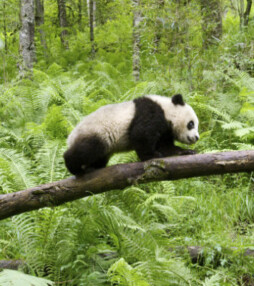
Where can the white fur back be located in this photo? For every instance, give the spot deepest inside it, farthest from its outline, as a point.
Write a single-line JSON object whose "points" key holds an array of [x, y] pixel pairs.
{"points": [[110, 122]]}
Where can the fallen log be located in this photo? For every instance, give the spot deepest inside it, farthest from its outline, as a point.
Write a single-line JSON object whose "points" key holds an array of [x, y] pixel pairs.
{"points": [[123, 175], [11, 264]]}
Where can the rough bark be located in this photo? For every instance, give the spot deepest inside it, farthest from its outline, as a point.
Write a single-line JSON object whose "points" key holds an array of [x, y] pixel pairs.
{"points": [[63, 22], [136, 40], [11, 264], [241, 12], [158, 25], [80, 14], [212, 21], [5, 27], [26, 36], [247, 13], [91, 24], [123, 175], [39, 21]]}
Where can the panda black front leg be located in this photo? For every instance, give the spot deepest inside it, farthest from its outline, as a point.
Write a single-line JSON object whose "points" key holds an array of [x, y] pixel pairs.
{"points": [[167, 148], [180, 151], [145, 144], [172, 150], [146, 128], [145, 152]]}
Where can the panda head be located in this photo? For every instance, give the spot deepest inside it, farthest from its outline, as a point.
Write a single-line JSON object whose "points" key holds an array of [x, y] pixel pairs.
{"points": [[184, 121]]}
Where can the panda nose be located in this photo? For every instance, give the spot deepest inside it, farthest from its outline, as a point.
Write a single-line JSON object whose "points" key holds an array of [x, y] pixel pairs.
{"points": [[196, 137]]}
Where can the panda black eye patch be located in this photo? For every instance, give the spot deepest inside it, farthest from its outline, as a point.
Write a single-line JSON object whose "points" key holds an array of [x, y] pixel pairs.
{"points": [[190, 125]]}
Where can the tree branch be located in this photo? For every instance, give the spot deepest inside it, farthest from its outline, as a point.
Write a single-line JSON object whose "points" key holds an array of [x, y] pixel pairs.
{"points": [[123, 175]]}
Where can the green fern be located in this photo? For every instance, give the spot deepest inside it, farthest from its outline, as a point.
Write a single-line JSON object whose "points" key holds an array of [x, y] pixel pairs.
{"points": [[121, 273], [16, 278], [16, 169]]}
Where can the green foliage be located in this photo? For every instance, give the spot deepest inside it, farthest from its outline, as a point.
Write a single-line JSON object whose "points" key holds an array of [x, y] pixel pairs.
{"points": [[56, 126], [136, 236], [15, 278]]}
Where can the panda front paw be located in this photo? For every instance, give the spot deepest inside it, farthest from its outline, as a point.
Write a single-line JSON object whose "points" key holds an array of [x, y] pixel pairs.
{"points": [[189, 152]]}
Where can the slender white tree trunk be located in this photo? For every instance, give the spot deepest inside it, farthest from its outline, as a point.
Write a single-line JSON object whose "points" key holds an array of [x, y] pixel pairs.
{"points": [[5, 27], [136, 39], [26, 36], [91, 24]]}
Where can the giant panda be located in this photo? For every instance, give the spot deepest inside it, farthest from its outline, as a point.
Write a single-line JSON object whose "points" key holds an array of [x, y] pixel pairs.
{"points": [[149, 125]]}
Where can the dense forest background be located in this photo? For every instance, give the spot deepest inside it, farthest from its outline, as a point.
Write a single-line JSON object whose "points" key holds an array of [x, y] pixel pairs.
{"points": [[61, 60]]}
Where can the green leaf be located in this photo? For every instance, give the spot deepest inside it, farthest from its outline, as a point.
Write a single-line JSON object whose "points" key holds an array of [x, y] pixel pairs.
{"points": [[16, 278]]}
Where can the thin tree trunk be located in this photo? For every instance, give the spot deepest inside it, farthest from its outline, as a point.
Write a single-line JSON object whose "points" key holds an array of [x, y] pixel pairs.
{"points": [[80, 14], [63, 22], [94, 13], [136, 66], [88, 9], [5, 28], [39, 21], [91, 24], [123, 175], [247, 13], [212, 21], [26, 36], [158, 25], [241, 12]]}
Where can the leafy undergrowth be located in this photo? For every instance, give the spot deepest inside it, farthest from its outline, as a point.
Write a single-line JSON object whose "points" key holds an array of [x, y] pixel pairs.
{"points": [[137, 236]]}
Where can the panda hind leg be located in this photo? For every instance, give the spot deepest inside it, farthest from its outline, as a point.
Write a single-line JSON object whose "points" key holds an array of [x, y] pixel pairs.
{"points": [[100, 163], [86, 154]]}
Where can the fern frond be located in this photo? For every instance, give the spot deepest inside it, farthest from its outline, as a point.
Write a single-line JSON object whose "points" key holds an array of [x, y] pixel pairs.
{"points": [[215, 110], [16, 278], [242, 146], [214, 280], [50, 165], [17, 166], [154, 197], [124, 274], [232, 125], [140, 89], [244, 131]]}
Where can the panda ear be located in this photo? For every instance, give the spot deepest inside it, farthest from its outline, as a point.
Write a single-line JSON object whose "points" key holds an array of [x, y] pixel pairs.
{"points": [[178, 99]]}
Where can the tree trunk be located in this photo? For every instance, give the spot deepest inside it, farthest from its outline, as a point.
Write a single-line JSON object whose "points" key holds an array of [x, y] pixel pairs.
{"points": [[63, 22], [11, 264], [5, 28], [123, 175], [241, 12], [26, 36], [247, 13], [136, 40], [91, 25], [39, 21], [80, 14], [212, 21], [158, 25]]}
